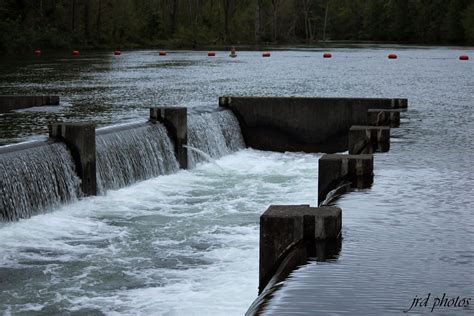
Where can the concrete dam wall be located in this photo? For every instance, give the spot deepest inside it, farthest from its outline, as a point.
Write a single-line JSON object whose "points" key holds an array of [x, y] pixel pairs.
{"points": [[303, 124], [10, 103], [95, 160], [79, 160]]}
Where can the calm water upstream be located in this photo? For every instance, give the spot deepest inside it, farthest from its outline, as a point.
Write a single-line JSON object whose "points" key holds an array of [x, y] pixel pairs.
{"points": [[187, 243]]}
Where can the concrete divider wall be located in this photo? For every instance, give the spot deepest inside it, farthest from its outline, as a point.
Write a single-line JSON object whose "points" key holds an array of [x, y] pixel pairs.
{"points": [[384, 117], [335, 169], [80, 139], [284, 227], [15, 102], [175, 119], [302, 124], [368, 139]]}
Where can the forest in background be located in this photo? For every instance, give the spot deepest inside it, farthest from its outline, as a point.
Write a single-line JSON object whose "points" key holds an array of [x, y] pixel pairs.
{"points": [[65, 24]]}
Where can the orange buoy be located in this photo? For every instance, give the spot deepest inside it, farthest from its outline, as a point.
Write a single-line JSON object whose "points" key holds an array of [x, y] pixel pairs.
{"points": [[162, 53], [327, 55], [392, 56], [38, 52], [75, 53], [211, 54], [266, 54], [233, 54], [463, 57], [117, 52]]}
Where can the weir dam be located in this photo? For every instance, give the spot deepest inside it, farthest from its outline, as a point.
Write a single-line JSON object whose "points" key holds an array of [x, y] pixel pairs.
{"points": [[79, 160], [188, 240]]}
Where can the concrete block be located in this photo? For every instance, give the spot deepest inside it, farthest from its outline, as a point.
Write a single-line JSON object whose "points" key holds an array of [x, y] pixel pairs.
{"points": [[400, 104], [175, 119], [53, 100], [38, 100], [369, 139], [335, 169], [384, 117], [16, 102], [282, 228], [80, 139], [224, 101]]}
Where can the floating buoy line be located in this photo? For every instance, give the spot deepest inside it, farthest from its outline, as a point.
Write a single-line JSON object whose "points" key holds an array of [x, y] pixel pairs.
{"points": [[38, 52]]}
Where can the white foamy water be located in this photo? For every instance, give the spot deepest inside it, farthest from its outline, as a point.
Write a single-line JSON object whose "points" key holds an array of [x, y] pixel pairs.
{"points": [[182, 244]]}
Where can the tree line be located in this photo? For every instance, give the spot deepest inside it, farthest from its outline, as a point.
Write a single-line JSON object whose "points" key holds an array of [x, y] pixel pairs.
{"points": [[62, 24]]}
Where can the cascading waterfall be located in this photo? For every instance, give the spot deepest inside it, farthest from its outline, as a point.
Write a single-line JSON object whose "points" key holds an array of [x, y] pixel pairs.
{"points": [[127, 156], [35, 179], [41, 177], [217, 134]]}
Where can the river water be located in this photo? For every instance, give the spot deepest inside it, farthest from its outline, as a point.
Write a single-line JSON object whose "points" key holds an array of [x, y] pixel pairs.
{"points": [[187, 243]]}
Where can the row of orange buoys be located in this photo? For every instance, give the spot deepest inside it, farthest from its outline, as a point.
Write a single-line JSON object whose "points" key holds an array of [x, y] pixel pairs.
{"points": [[233, 54], [390, 56], [395, 56]]}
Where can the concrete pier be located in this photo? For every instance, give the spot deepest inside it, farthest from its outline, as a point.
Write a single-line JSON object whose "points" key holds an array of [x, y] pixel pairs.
{"points": [[335, 169], [80, 139], [282, 228], [16, 102], [369, 139], [175, 119], [302, 124], [384, 117]]}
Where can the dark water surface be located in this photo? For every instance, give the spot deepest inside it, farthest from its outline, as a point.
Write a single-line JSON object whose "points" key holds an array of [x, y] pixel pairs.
{"points": [[111, 89], [187, 244]]}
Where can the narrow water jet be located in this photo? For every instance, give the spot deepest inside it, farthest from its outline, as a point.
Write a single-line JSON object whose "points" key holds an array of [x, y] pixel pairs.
{"points": [[216, 134], [203, 154]]}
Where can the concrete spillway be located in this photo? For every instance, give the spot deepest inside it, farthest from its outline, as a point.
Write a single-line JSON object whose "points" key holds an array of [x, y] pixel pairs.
{"points": [[34, 178], [131, 155], [216, 134]]}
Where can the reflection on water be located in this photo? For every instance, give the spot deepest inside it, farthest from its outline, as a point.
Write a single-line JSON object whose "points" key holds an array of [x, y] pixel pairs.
{"points": [[299, 255]]}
